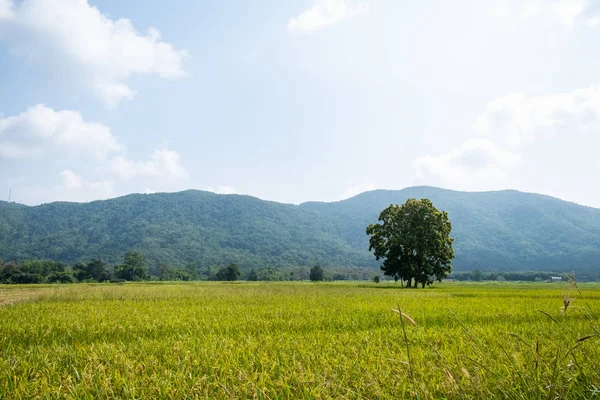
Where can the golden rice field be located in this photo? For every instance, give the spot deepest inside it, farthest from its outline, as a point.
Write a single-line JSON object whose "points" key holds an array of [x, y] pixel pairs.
{"points": [[299, 340]]}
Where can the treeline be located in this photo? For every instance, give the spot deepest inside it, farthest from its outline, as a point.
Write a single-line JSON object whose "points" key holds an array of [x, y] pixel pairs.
{"points": [[135, 268], [526, 276]]}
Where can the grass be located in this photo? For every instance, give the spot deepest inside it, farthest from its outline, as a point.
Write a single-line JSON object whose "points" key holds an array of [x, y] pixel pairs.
{"points": [[299, 340]]}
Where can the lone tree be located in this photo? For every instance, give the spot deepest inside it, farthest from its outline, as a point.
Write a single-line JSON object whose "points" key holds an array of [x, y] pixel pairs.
{"points": [[229, 273], [317, 273], [414, 242], [95, 270], [134, 267]]}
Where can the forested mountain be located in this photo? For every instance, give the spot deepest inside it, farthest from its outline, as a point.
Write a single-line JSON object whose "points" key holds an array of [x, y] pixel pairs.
{"points": [[502, 230]]}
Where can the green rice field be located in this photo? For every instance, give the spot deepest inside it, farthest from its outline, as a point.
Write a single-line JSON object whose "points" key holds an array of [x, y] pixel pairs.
{"points": [[213, 340]]}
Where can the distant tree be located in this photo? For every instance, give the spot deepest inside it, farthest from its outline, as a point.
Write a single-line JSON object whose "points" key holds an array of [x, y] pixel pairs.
{"points": [[229, 273], [192, 272], [252, 275], [414, 242], [41, 267], [339, 277], [24, 277], [134, 268], [7, 271], [61, 277], [476, 275], [164, 272], [317, 273], [269, 274], [376, 279], [206, 274], [95, 270], [181, 274]]}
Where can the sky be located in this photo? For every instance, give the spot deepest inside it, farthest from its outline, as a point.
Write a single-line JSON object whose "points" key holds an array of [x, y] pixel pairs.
{"points": [[298, 100]]}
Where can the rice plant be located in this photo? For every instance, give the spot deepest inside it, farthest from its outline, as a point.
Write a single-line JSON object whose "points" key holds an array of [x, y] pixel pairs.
{"points": [[299, 340]]}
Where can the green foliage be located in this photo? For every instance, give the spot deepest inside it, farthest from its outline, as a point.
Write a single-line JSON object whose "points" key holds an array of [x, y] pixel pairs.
{"points": [[134, 268], [25, 278], [376, 279], [317, 273], [252, 275], [61, 277], [94, 271], [229, 273], [514, 276], [414, 242], [269, 274], [504, 230]]}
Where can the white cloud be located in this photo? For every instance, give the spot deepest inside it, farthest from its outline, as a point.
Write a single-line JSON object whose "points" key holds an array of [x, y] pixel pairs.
{"points": [[479, 162], [565, 12], [70, 187], [593, 21], [11, 150], [356, 190], [45, 142], [222, 190], [6, 9], [516, 127], [70, 180], [519, 119], [162, 164], [34, 131], [73, 35], [326, 12]]}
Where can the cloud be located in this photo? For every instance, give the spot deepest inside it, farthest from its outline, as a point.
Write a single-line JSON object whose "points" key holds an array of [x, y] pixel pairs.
{"points": [[508, 128], [566, 12], [76, 37], [326, 12], [6, 9], [11, 150], [70, 187], [519, 119], [70, 179], [222, 190], [40, 139], [41, 129], [479, 162], [162, 164], [356, 190]]}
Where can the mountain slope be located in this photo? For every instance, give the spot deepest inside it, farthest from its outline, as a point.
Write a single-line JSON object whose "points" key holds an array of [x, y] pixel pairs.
{"points": [[177, 228], [503, 230]]}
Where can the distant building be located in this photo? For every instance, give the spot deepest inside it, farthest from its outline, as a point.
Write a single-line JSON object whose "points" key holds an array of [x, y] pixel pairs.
{"points": [[556, 278]]}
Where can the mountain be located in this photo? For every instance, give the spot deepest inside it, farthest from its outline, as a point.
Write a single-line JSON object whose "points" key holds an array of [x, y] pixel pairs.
{"points": [[505, 230]]}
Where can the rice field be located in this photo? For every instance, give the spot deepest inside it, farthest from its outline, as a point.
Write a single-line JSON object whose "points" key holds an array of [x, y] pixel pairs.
{"points": [[299, 340]]}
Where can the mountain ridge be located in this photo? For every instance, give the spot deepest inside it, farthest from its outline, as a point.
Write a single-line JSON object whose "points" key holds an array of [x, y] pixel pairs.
{"points": [[505, 230]]}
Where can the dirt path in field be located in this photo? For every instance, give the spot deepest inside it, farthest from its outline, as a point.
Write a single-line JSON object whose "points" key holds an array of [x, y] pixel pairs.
{"points": [[11, 296]]}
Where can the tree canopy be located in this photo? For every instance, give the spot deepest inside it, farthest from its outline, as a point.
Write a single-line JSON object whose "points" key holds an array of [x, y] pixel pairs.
{"points": [[317, 273], [414, 242], [502, 231], [229, 273], [134, 268]]}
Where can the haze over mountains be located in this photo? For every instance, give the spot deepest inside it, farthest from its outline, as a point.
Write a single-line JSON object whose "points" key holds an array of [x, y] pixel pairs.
{"points": [[504, 230]]}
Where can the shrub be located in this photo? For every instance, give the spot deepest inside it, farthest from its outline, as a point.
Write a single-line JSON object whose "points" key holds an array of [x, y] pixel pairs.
{"points": [[61, 277]]}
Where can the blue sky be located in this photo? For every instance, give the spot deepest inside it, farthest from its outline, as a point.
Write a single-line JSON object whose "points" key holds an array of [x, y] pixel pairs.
{"points": [[298, 100]]}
